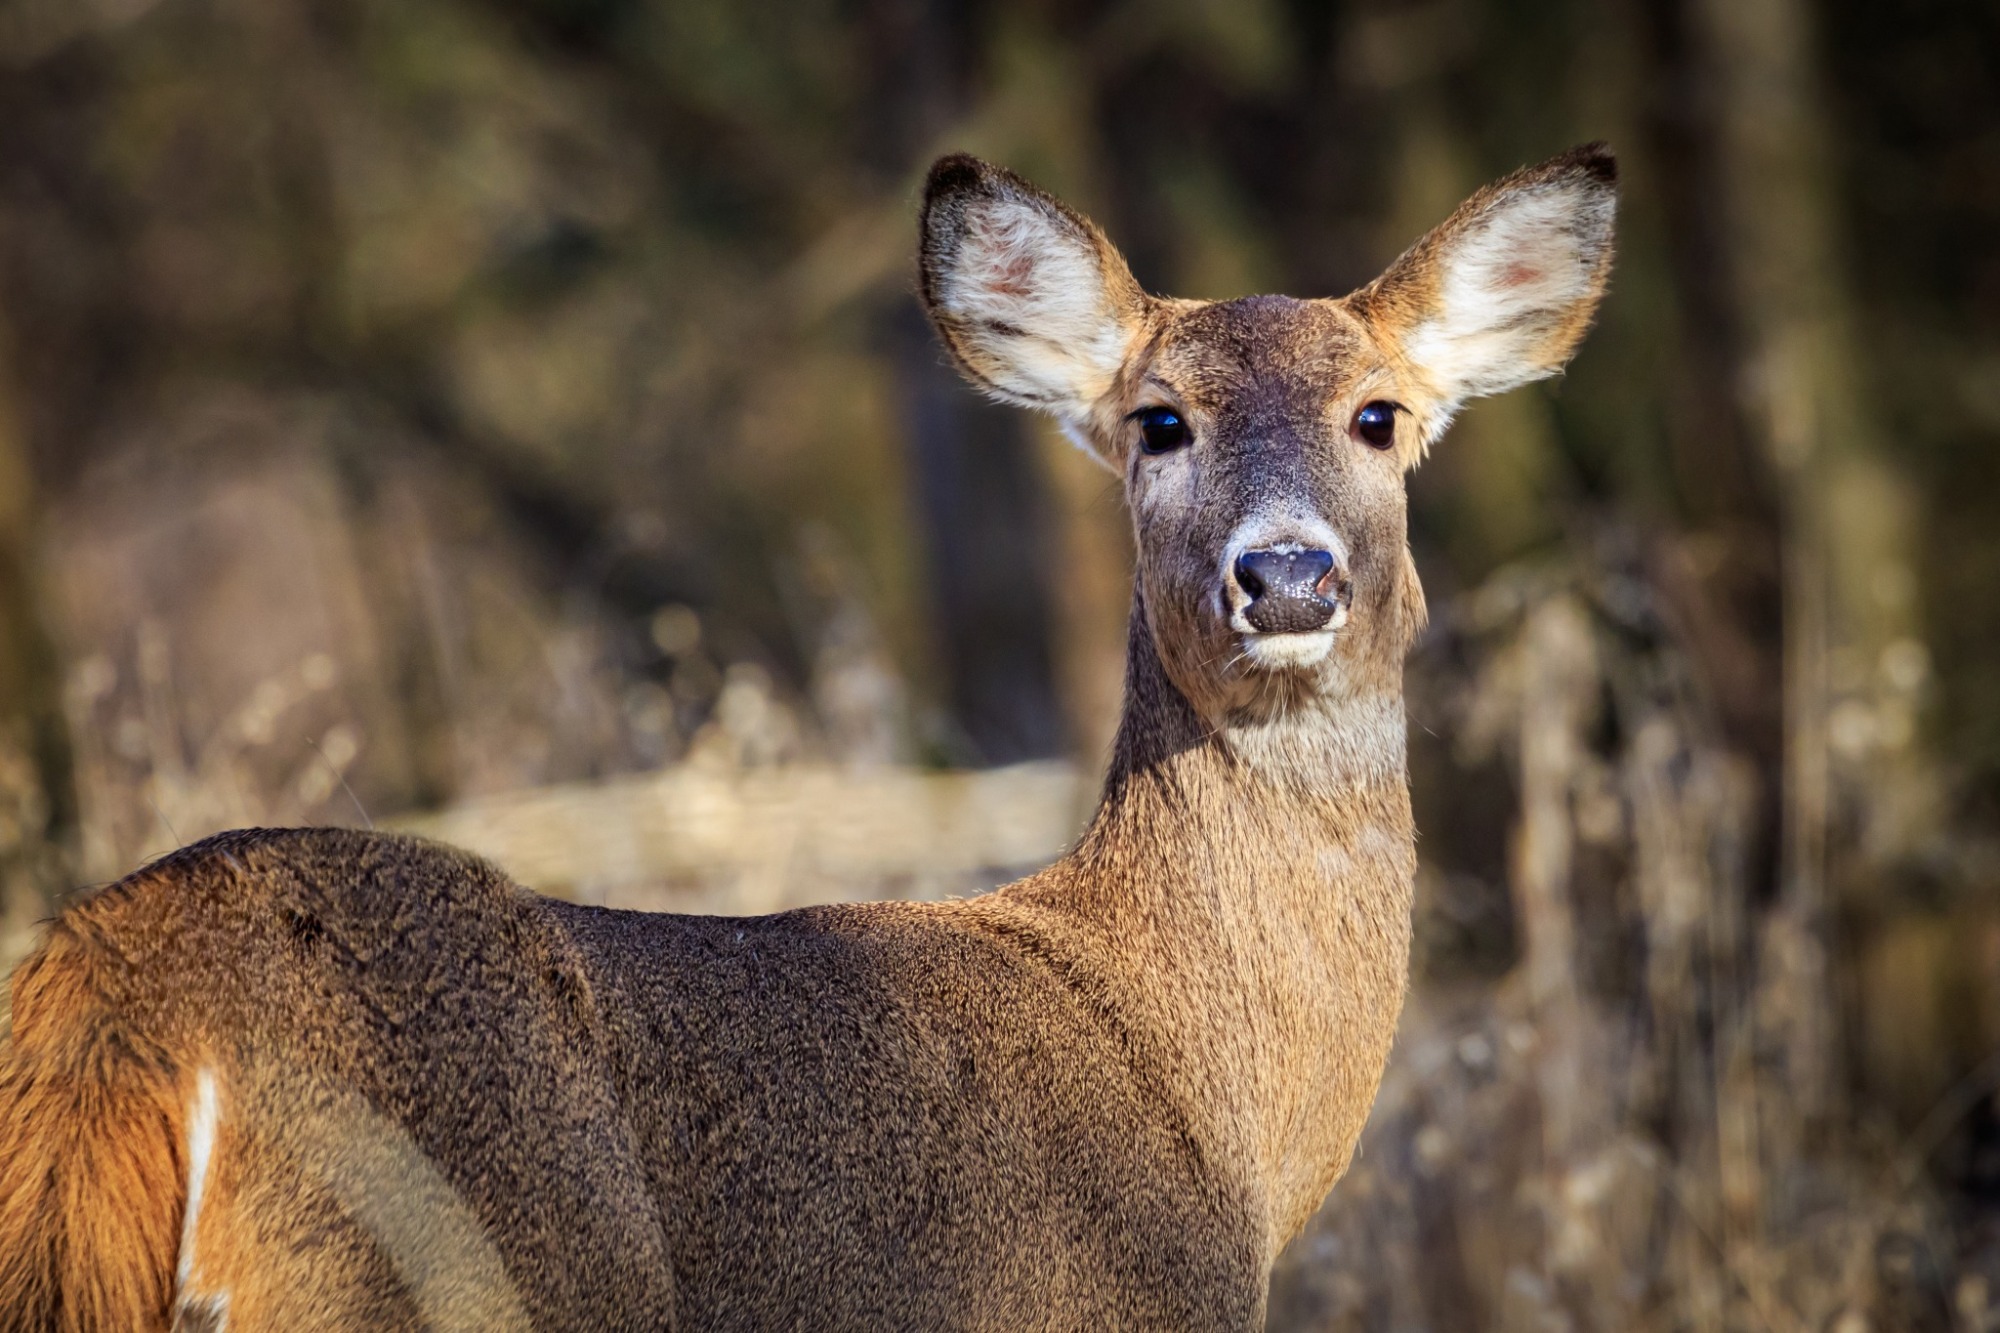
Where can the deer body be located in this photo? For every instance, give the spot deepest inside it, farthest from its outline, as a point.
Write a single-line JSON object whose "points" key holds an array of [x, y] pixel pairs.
{"points": [[327, 1079]]}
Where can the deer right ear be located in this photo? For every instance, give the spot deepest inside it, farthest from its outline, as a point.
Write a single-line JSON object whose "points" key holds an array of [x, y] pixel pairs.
{"points": [[1035, 305]]}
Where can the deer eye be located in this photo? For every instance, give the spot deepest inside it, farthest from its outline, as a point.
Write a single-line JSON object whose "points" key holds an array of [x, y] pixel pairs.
{"points": [[1376, 424], [1162, 431]]}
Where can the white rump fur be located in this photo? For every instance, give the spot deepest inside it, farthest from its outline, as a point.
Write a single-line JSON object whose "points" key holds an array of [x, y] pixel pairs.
{"points": [[204, 1110], [1031, 301], [1507, 284], [204, 1113]]}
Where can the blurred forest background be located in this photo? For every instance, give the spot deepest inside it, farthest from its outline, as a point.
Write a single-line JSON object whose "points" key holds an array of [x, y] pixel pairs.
{"points": [[511, 418]]}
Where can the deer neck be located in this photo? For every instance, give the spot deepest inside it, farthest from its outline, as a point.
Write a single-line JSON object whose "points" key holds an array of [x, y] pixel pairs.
{"points": [[1246, 887]]}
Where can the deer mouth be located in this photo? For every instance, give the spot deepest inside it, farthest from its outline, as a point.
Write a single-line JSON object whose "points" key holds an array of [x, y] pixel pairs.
{"points": [[1292, 650]]}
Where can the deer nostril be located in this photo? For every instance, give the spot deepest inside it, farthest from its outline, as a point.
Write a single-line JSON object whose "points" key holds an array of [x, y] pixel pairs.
{"points": [[1247, 577], [1312, 568]]}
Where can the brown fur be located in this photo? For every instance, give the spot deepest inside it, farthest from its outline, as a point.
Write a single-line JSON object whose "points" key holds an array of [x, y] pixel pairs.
{"points": [[1101, 1098], [90, 1110]]}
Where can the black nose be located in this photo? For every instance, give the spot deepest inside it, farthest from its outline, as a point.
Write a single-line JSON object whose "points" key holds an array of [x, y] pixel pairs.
{"points": [[1284, 590]]}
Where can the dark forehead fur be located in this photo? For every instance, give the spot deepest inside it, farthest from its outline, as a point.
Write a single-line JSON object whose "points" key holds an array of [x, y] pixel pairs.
{"points": [[1253, 352]]}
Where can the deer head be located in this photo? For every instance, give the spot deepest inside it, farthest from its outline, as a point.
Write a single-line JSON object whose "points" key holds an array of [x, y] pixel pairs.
{"points": [[1264, 441]]}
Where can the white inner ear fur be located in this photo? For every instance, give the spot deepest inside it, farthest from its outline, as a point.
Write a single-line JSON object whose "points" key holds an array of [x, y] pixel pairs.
{"points": [[1506, 285], [1031, 294]]}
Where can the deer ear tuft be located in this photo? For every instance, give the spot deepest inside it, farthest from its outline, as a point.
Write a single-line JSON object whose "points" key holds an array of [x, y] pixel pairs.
{"points": [[1502, 291], [1035, 305]]}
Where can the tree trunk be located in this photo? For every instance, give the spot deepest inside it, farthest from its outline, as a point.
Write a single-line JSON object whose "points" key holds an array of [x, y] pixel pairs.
{"points": [[1859, 794], [983, 512]]}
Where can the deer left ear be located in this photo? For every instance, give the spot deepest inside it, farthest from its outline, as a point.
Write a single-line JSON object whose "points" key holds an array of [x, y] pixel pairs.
{"points": [[1502, 291]]}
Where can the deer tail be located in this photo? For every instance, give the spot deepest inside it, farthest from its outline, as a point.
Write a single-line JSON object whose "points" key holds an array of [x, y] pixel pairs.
{"points": [[95, 1124]]}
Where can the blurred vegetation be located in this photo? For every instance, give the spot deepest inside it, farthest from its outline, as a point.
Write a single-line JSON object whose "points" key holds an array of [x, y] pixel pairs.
{"points": [[406, 404]]}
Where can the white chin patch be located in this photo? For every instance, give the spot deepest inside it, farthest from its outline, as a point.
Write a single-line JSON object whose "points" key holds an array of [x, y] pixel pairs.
{"points": [[1277, 652]]}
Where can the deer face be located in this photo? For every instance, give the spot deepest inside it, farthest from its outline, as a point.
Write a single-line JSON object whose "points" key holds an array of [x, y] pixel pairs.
{"points": [[1264, 441]]}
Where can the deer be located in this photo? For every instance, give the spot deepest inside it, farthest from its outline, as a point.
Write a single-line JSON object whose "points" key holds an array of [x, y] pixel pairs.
{"points": [[319, 1079]]}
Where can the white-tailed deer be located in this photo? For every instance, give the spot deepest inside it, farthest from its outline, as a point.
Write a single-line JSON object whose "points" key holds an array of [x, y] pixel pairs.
{"points": [[324, 1079]]}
